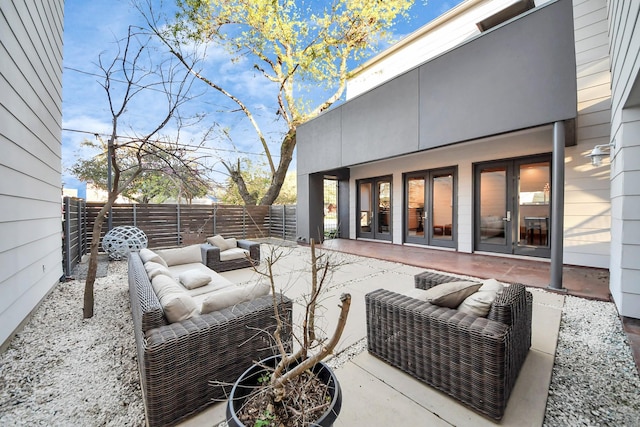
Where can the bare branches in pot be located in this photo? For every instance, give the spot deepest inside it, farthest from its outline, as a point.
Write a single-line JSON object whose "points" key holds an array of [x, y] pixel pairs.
{"points": [[293, 388]]}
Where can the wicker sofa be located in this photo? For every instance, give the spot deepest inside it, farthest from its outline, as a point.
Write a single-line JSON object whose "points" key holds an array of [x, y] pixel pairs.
{"points": [[177, 361], [223, 259], [475, 360]]}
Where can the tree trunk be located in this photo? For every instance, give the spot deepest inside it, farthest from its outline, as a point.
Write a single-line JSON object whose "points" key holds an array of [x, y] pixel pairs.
{"points": [[93, 260], [286, 155]]}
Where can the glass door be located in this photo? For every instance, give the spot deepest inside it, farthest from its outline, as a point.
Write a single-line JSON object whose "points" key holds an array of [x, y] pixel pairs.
{"points": [[512, 206], [374, 208], [430, 207], [534, 207]]}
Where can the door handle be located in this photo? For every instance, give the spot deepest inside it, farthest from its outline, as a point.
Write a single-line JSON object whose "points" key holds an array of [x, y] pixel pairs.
{"points": [[508, 217]]}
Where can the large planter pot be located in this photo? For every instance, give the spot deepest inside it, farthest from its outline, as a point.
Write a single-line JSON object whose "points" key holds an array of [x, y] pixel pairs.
{"points": [[249, 380]]}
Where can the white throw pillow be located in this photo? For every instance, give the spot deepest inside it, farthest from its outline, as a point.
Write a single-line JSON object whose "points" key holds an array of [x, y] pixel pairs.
{"points": [[147, 255], [184, 255], [231, 243], [176, 302], [218, 241], [192, 279], [155, 268], [479, 303], [232, 296], [451, 294]]}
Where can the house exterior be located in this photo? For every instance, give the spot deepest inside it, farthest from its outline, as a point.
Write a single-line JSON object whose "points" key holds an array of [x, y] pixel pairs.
{"points": [[30, 165], [472, 134]]}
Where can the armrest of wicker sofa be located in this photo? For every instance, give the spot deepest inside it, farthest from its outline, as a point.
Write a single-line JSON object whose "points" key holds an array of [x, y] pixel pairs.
{"points": [[430, 279], [252, 247], [181, 360]]}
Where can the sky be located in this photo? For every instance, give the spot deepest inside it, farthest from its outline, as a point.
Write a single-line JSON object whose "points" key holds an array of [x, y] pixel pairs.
{"points": [[91, 28]]}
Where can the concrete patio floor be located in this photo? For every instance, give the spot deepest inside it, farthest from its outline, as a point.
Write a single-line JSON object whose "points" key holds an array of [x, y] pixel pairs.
{"points": [[375, 393]]}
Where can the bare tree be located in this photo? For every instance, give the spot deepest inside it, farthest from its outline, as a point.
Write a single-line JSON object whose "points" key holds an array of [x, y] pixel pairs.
{"points": [[130, 74]]}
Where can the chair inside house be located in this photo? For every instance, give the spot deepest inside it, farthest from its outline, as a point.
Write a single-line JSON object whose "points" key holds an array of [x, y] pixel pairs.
{"points": [[471, 351], [230, 253]]}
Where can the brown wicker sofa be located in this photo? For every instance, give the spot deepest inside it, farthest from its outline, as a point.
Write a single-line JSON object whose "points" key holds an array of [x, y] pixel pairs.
{"points": [[219, 260], [177, 361], [475, 360]]}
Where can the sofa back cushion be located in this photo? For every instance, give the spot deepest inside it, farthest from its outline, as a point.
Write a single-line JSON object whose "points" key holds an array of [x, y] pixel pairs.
{"points": [[222, 243], [147, 255], [176, 302], [153, 269], [184, 255], [479, 302]]}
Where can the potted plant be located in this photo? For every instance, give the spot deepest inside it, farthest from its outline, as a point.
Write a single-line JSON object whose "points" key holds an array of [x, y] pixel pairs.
{"points": [[293, 388]]}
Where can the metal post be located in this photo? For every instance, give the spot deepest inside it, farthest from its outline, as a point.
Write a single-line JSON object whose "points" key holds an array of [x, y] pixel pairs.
{"points": [[178, 222], [135, 216], [244, 221], [109, 182], [215, 217], [557, 207]]}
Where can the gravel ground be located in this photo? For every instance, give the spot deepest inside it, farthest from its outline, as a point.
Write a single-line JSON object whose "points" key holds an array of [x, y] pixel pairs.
{"points": [[63, 370]]}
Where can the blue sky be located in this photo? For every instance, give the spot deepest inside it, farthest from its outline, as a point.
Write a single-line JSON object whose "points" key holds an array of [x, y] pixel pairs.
{"points": [[91, 28]]}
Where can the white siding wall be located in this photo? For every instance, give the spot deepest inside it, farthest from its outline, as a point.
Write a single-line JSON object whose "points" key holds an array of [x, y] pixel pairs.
{"points": [[625, 168], [30, 166], [429, 41], [587, 204]]}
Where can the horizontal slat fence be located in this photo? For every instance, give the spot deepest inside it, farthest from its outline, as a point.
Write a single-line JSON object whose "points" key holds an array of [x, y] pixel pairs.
{"points": [[74, 243], [174, 225], [282, 222]]}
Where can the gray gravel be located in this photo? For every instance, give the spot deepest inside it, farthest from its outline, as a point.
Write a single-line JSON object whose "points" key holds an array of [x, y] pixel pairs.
{"points": [[62, 370], [595, 380]]}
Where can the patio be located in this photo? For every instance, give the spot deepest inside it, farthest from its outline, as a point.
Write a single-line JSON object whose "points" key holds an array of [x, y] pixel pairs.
{"points": [[378, 394], [64, 370]]}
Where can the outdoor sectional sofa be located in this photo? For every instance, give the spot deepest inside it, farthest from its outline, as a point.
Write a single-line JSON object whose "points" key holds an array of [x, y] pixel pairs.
{"points": [[179, 359], [474, 359]]}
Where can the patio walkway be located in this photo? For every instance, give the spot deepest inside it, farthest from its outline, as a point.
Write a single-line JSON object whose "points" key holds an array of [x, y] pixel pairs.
{"points": [[583, 282], [376, 394]]}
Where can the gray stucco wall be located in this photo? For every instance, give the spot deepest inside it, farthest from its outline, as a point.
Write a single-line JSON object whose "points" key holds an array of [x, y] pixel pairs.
{"points": [[520, 75]]}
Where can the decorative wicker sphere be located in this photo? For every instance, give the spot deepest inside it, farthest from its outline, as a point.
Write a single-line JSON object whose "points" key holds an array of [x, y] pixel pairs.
{"points": [[124, 239]]}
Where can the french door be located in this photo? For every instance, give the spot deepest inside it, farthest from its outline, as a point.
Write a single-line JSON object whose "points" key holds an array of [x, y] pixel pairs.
{"points": [[430, 207], [512, 206], [374, 208]]}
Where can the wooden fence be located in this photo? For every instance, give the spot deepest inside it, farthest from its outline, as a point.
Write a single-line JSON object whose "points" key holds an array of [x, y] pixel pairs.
{"points": [[175, 225], [74, 236]]}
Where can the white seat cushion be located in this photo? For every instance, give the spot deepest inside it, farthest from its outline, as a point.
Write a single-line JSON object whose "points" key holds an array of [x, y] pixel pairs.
{"points": [[216, 283], [235, 253], [218, 300]]}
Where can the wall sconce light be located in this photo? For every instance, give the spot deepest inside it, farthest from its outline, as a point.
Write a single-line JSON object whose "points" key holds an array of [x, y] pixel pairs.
{"points": [[599, 151]]}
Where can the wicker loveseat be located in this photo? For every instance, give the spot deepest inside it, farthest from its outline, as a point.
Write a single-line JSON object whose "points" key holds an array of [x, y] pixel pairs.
{"points": [[475, 360], [177, 361]]}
